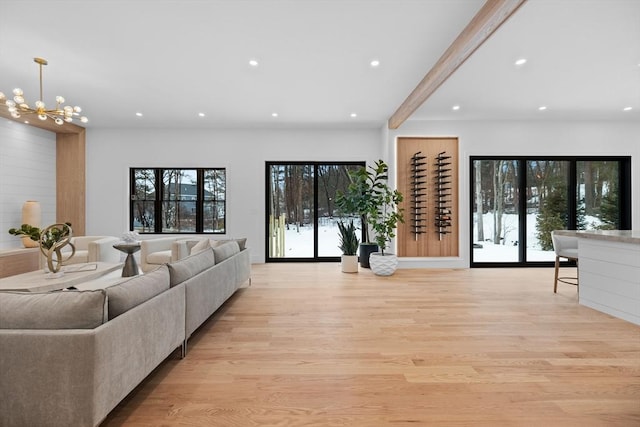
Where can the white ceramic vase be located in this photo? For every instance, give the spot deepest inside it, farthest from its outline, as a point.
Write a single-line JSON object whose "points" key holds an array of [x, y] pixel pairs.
{"points": [[31, 213], [383, 265]]}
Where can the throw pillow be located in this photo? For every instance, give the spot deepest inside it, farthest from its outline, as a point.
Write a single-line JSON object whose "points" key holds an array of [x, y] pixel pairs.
{"points": [[200, 246]]}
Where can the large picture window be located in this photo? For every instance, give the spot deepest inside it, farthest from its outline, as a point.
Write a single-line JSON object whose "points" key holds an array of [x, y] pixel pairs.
{"points": [[178, 200], [517, 202]]}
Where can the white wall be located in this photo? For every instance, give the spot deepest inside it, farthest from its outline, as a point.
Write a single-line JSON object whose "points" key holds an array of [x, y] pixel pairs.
{"points": [[522, 138], [27, 165], [110, 154], [27, 172]]}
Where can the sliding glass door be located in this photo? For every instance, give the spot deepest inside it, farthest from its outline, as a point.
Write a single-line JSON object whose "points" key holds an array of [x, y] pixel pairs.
{"points": [[302, 217], [517, 202]]}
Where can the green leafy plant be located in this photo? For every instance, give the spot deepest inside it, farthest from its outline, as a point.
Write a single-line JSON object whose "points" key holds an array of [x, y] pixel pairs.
{"points": [[384, 213], [34, 233], [26, 230], [356, 200], [348, 239]]}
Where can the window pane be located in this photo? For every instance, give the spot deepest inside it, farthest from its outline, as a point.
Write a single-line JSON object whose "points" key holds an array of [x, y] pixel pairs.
{"points": [[178, 216], [597, 195], [291, 211], [547, 207], [143, 216], [179, 194], [495, 214], [144, 194], [213, 215], [331, 179]]}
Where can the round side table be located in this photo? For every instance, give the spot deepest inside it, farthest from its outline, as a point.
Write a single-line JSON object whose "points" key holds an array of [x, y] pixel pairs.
{"points": [[130, 266]]}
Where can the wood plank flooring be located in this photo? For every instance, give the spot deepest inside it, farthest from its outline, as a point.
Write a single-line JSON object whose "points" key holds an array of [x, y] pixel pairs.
{"points": [[307, 345]]}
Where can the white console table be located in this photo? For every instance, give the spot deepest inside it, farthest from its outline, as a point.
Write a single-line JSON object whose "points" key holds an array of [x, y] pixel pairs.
{"points": [[609, 271]]}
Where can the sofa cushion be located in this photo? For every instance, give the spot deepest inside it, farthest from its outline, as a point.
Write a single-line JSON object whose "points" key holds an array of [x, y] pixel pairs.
{"points": [[136, 290], [53, 310], [242, 243], [160, 257], [188, 267], [226, 250], [200, 246]]}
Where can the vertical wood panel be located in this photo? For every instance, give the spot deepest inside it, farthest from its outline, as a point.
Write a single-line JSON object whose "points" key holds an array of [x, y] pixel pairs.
{"points": [[71, 180], [428, 244]]}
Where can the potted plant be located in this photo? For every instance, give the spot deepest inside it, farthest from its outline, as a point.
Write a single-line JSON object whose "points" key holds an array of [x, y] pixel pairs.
{"points": [[384, 215], [349, 247], [30, 235]]}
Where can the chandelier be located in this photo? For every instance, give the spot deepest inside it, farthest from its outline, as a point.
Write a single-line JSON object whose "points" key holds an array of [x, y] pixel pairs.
{"points": [[60, 114]]}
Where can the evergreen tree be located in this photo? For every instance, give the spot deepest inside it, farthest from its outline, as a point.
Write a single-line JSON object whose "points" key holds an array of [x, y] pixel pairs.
{"points": [[552, 216], [609, 212]]}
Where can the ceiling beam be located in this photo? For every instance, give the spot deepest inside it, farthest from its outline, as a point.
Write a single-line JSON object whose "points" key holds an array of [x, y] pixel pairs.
{"points": [[492, 14]]}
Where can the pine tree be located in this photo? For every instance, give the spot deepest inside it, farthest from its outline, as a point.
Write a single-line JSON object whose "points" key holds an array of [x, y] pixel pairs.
{"points": [[552, 216]]}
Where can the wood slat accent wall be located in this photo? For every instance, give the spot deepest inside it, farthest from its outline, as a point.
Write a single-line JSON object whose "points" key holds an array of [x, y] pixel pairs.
{"points": [[428, 244]]}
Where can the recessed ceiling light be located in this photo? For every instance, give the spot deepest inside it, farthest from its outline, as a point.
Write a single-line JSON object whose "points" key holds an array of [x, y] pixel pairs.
{"points": [[521, 61], [139, 114], [201, 114], [455, 107], [542, 108], [274, 114], [353, 115], [627, 109], [253, 62], [375, 63], [26, 122]]}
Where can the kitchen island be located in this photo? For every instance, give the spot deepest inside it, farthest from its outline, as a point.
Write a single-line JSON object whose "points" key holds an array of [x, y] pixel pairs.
{"points": [[609, 271]]}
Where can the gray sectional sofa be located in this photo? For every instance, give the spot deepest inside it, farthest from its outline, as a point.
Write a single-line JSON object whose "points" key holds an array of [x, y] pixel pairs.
{"points": [[67, 358]]}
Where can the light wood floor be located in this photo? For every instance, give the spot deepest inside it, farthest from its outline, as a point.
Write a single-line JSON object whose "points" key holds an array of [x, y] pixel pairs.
{"points": [[306, 345]]}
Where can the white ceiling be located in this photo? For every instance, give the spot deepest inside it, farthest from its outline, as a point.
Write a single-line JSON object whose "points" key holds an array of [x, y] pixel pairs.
{"points": [[171, 60]]}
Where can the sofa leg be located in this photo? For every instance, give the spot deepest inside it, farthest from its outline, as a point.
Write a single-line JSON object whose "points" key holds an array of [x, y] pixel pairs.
{"points": [[183, 349]]}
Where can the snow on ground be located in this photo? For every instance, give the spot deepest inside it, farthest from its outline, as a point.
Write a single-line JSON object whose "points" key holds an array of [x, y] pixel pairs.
{"points": [[299, 241]]}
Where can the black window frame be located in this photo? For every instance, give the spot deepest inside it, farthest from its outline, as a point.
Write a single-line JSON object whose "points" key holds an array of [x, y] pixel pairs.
{"points": [[624, 190], [158, 200], [315, 164]]}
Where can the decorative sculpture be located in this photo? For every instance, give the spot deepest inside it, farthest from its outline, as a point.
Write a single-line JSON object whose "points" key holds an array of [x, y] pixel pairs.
{"points": [[52, 240]]}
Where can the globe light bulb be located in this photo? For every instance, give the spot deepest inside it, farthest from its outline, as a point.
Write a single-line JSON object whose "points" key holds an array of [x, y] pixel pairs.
{"points": [[2, 96], [77, 109], [83, 119], [59, 99], [18, 92], [10, 103], [39, 104], [19, 99]]}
